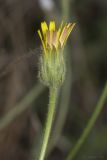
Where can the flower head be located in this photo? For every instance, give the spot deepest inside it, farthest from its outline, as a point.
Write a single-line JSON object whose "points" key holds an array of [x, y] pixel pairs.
{"points": [[52, 38], [52, 65]]}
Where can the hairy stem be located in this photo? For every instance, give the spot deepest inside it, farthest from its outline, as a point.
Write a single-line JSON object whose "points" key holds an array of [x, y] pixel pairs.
{"points": [[89, 126], [49, 121]]}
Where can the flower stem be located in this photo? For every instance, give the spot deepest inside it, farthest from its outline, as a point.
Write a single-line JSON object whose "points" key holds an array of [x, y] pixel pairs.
{"points": [[49, 121], [90, 124]]}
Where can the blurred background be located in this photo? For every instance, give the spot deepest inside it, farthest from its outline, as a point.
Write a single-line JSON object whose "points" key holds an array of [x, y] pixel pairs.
{"points": [[22, 118]]}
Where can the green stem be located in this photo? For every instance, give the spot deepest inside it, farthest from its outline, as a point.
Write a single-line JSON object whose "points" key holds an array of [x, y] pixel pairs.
{"points": [[49, 121], [63, 106], [90, 124]]}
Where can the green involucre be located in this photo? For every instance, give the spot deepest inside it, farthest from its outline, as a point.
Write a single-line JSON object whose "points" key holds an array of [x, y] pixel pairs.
{"points": [[52, 69]]}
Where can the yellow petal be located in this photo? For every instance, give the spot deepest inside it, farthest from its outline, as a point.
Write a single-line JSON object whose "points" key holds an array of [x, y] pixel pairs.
{"points": [[60, 28], [52, 26], [44, 27], [58, 34], [51, 29], [63, 35], [54, 39], [43, 44], [57, 40], [71, 26]]}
